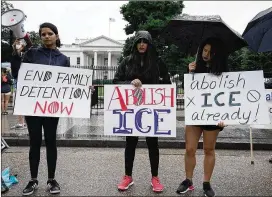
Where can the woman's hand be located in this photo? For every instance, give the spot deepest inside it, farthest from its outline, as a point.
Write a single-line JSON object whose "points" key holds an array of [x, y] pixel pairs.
{"points": [[221, 124], [136, 83], [17, 46], [192, 66], [92, 89]]}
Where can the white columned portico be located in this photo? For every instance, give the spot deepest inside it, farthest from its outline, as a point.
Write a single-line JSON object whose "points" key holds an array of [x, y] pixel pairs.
{"points": [[82, 58], [95, 58], [109, 58], [87, 60]]}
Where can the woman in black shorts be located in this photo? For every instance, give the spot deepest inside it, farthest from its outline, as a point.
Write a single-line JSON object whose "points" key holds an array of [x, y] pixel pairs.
{"points": [[211, 58]]}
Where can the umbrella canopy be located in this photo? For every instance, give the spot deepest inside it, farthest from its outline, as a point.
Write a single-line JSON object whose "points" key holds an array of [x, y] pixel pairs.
{"points": [[187, 32], [258, 32]]}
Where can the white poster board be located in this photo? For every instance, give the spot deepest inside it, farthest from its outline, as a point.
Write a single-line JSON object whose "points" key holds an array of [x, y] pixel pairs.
{"points": [[234, 98], [269, 106], [53, 91], [154, 115]]}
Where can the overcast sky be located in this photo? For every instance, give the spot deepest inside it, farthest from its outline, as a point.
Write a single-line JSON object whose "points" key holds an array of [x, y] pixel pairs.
{"points": [[90, 19]]}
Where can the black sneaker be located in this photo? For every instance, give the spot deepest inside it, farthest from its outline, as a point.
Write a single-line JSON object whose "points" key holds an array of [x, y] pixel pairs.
{"points": [[185, 186], [53, 187], [208, 191], [270, 160], [30, 188]]}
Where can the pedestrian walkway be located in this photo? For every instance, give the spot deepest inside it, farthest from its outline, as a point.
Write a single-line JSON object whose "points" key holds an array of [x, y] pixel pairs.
{"points": [[97, 171]]}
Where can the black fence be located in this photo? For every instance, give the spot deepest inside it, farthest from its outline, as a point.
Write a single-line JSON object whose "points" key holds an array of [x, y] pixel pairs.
{"points": [[103, 75]]}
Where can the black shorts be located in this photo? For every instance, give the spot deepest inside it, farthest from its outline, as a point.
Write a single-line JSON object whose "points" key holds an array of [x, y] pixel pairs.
{"points": [[210, 127]]}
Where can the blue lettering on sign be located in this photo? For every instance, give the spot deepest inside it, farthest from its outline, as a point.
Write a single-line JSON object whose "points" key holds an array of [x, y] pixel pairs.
{"points": [[269, 96], [122, 121], [122, 128], [157, 120], [138, 120]]}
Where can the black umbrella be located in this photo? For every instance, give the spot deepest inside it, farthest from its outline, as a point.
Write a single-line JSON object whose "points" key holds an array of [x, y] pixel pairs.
{"points": [[188, 32], [258, 32]]}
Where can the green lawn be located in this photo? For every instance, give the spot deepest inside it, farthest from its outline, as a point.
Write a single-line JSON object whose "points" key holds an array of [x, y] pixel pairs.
{"points": [[101, 91]]}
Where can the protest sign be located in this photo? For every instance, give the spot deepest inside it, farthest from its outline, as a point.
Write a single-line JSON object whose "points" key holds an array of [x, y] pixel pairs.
{"points": [[149, 111], [53, 91], [269, 106], [233, 97]]}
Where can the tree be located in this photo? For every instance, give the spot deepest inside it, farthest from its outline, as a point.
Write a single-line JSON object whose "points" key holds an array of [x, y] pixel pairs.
{"points": [[6, 35], [5, 6], [153, 16], [247, 60]]}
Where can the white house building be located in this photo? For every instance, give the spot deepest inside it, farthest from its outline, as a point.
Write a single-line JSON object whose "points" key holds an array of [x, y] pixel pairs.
{"points": [[98, 52]]}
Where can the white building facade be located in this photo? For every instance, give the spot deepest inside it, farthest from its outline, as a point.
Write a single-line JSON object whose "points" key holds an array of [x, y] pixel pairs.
{"points": [[100, 52]]}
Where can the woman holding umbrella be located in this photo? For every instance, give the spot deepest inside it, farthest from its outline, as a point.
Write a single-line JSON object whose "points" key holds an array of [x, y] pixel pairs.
{"points": [[211, 58]]}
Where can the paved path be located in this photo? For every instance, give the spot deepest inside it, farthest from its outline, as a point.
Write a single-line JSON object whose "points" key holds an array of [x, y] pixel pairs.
{"points": [[97, 171]]}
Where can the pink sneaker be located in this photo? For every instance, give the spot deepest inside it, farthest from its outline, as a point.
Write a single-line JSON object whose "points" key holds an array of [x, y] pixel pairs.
{"points": [[157, 186], [125, 183]]}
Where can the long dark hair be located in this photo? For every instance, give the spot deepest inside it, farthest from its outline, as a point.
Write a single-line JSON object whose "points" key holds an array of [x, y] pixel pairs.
{"points": [[148, 68], [53, 28], [218, 54]]}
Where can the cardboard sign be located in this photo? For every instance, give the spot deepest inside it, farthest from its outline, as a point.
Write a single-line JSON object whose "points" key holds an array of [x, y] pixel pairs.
{"points": [[269, 106], [234, 98], [149, 111], [53, 91]]}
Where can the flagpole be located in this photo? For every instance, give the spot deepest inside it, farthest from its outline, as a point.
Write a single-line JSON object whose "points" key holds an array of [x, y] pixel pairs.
{"points": [[109, 27]]}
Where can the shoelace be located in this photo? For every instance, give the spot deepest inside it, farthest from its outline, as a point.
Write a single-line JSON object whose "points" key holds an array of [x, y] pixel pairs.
{"points": [[157, 180], [31, 184], [186, 183], [53, 183], [125, 179]]}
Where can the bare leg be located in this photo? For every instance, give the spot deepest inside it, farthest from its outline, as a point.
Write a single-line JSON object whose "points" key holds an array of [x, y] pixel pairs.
{"points": [[209, 141], [2, 103], [192, 135], [21, 119], [6, 102]]}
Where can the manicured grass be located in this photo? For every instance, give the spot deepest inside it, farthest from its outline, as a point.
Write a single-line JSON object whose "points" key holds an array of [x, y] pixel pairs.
{"points": [[101, 91], [180, 91]]}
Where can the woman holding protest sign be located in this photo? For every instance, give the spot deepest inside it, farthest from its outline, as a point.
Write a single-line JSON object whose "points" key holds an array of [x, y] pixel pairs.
{"points": [[142, 67], [47, 54], [211, 58]]}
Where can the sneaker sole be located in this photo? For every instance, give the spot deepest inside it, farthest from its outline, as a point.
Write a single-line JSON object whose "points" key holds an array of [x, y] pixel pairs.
{"points": [[207, 196], [158, 191], [191, 188], [29, 193], [126, 188], [52, 192]]}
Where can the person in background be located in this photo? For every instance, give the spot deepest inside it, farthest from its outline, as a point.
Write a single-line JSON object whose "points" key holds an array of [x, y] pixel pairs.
{"points": [[142, 67], [6, 83], [211, 58], [47, 54], [15, 65]]}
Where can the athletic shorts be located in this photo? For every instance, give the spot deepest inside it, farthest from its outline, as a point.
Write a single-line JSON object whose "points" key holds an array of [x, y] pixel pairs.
{"points": [[209, 127]]}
